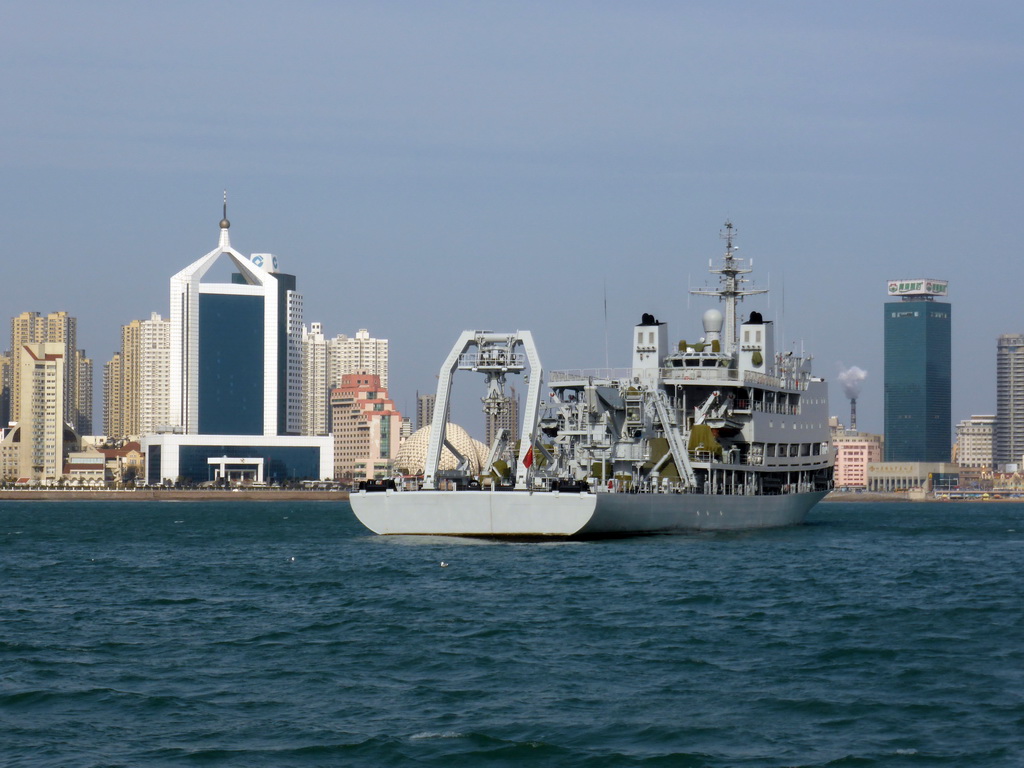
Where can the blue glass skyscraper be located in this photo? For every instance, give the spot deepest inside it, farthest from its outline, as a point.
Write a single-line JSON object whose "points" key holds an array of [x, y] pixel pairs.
{"points": [[917, 372], [235, 377]]}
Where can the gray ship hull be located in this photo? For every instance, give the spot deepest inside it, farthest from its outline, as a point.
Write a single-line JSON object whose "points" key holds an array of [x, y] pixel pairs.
{"points": [[554, 514]]}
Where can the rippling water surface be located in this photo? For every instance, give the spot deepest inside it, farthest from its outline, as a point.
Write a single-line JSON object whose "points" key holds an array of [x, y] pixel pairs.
{"points": [[283, 634]]}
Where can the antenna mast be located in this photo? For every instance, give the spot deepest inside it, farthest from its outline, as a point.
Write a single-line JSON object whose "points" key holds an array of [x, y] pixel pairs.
{"points": [[730, 286]]}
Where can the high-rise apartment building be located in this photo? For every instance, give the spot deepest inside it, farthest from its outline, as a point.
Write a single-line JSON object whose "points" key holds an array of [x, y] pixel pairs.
{"points": [[113, 397], [154, 386], [975, 441], [917, 372], [6, 376], [1009, 426], [367, 428], [235, 367], [358, 354], [315, 391], [425, 409], [83, 394], [42, 417], [131, 354], [503, 414], [136, 381], [325, 362], [55, 328]]}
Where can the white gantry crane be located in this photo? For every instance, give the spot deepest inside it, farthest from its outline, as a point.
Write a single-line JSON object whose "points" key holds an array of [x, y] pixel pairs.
{"points": [[494, 355]]}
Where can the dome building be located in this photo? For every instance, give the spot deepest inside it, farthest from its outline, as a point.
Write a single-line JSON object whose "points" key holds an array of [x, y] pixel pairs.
{"points": [[412, 454]]}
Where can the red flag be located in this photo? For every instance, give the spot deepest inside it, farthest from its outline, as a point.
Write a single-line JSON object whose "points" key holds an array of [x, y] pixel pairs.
{"points": [[528, 459]]}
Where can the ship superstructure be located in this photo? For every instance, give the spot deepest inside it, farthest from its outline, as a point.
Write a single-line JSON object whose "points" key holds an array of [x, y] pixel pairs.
{"points": [[728, 413]]}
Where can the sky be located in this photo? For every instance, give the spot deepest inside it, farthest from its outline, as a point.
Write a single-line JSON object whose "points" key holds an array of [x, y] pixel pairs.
{"points": [[425, 168]]}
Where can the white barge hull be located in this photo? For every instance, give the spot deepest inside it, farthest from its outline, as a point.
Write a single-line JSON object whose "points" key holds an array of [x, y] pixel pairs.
{"points": [[544, 513]]}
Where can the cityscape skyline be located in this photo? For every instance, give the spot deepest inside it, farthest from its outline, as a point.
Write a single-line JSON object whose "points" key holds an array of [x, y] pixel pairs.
{"points": [[431, 171], [361, 344]]}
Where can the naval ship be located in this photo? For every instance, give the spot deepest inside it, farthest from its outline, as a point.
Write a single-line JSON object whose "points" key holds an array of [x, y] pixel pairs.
{"points": [[726, 432]]}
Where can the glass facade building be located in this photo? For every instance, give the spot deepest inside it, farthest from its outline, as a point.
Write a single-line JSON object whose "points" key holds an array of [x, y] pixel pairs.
{"points": [[282, 462], [169, 458], [918, 380], [230, 364], [235, 365]]}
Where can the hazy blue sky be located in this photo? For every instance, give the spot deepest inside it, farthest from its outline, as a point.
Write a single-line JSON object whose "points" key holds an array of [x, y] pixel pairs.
{"points": [[427, 167]]}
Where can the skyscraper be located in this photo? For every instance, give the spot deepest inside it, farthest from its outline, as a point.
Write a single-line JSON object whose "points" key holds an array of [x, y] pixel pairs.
{"points": [[917, 372], [1009, 427], [235, 368]]}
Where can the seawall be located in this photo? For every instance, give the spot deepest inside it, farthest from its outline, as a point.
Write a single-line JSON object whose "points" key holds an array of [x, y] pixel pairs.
{"points": [[149, 494]]}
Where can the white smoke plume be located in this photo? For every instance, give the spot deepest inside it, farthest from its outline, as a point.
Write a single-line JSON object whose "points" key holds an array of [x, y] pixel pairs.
{"points": [[852, 379]]}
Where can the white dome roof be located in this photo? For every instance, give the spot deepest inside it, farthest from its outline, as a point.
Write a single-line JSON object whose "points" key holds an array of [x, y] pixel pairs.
{"points": [[412, 454]]}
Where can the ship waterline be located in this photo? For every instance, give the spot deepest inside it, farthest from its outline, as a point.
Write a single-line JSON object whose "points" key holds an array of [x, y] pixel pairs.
{"points": [[573, 514]]}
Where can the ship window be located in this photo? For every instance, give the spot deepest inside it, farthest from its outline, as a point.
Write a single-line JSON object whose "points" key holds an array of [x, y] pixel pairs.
{"points": [[757, 336], [770, 450], [805, 449], [746, 336], [639, 337], [794, 449], [650, 337]]}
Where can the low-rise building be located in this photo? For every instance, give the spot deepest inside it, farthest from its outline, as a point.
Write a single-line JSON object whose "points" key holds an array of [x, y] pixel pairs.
{"points": [[926, 476], [975, 441], [87, 467], [854, 452]]}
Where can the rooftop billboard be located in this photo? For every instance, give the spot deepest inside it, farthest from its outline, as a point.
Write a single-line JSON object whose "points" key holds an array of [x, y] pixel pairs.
{"points": [[918, 287]]}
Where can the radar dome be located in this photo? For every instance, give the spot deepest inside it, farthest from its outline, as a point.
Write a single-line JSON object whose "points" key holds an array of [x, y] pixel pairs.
{"points": [[712, 321]]}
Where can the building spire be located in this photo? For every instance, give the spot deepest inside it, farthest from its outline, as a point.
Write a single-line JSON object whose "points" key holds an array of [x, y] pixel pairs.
{"points": [[225, 242], [224, 223]]}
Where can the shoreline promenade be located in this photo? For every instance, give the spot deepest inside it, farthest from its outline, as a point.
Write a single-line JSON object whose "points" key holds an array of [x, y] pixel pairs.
{"points": [[263, 494]]}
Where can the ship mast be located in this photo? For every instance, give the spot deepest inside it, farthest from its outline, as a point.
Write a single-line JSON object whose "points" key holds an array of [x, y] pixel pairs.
{"points": [[730, 286]]}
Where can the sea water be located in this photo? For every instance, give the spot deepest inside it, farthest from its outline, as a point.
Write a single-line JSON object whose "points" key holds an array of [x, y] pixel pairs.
{"points": [[284, 634]]}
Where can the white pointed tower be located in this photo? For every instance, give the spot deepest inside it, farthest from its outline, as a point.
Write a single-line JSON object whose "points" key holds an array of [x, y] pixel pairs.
{"points": [[230, 345]]}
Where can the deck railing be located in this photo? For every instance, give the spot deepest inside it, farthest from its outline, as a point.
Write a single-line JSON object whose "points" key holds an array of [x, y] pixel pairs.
{"points": [[710, 375]]}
